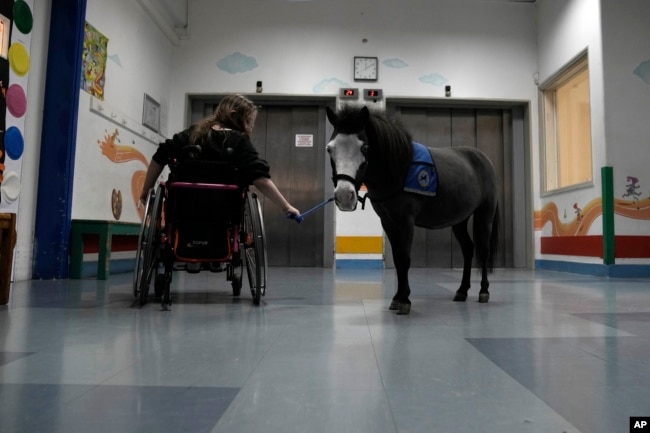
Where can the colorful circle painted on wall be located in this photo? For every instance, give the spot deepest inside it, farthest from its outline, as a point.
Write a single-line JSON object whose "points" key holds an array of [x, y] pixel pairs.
{"points": [[23, 18], [10, 188], [16, 100], [14, 143], [18, 59]]}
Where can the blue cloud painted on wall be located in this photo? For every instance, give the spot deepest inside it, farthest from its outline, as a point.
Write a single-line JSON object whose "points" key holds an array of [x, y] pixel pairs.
{"points": [[643, 71], [434, 79], [329, 85], [395, 63], [115, 58], [237, 63]]}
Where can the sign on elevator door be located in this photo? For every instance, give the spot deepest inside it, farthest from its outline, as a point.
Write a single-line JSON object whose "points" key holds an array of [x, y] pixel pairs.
{"points": [[304, 140]]}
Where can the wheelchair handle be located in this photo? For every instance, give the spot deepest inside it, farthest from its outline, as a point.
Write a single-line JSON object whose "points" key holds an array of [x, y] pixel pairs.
{"points": [[300, 217]]}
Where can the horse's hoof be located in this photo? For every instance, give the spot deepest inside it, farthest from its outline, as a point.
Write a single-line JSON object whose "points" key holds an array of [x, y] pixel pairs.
{"points": [[393, 306], [483, 297], [460, 297], [403, 308]]}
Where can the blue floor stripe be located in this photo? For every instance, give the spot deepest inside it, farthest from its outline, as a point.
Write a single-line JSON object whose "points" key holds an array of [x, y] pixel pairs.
{"points": [[617, 271], [359, 264]]}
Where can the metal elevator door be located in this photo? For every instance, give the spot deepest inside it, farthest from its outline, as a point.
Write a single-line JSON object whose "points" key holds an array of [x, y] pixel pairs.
{"points": [[490, 130], [299, 173], [298, 169]]}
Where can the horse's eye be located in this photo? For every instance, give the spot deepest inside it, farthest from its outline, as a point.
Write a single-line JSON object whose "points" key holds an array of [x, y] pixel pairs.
{"points": [[364, 149]]}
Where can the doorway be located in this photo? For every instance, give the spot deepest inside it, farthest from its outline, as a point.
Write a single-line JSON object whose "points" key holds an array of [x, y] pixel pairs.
{"points": [[291, 133]]}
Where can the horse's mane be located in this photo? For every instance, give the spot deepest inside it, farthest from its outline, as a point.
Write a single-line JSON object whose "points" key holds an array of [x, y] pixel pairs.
{"points": [[390, 148]]}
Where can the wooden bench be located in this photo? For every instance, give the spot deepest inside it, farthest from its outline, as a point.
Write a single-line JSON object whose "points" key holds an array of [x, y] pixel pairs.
{"points": [[7, 244], [105, 230]]}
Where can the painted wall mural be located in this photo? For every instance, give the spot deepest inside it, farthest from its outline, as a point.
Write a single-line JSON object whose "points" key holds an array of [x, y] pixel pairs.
{"points": [[434, 79], [643, 71], [16, 22], [237, 63], [119, 153], [329, 85], [394, 63], [569, 228], [584, 217]]}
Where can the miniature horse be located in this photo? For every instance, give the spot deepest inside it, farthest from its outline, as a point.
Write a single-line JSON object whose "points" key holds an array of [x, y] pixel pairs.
{"points": [[448, 186]]}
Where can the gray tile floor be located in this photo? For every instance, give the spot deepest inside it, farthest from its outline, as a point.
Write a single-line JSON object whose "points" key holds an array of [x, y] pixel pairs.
{"points": [[551, 352]]}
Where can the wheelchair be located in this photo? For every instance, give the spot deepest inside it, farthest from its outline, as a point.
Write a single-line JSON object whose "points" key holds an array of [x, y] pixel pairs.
{"points": [[200, 219]]}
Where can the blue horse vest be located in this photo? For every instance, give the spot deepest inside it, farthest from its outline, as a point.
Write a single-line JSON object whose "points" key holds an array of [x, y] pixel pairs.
{"points": [[422, 177]]}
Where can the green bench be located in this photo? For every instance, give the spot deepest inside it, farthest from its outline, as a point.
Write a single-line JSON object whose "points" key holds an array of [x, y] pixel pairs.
{"points": [[105, 230]]}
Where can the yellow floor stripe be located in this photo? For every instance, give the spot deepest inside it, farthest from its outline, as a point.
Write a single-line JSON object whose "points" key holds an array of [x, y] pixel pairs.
{"points": [[359, 245]]}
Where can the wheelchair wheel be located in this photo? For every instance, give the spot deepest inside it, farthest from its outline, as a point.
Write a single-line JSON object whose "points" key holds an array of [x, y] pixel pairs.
{"points": [[147, 257], [254, 248], [139, 256]]}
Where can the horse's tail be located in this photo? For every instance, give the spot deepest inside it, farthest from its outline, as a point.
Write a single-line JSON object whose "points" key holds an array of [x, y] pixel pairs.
{"points": [[494, 240], [486, 249]]}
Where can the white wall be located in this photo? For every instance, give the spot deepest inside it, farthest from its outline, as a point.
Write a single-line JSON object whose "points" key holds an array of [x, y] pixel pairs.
{"points": [[616, 35], [482, 49], [626, 46], [565, 28], [139, 62], [145, 58]]}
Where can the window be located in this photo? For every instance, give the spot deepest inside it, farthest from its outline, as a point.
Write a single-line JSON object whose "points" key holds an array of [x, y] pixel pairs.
{"points": [[566, 128]]}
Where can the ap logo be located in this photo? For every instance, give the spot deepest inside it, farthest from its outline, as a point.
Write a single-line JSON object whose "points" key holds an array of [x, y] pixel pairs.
{"points": [[640, 424]]}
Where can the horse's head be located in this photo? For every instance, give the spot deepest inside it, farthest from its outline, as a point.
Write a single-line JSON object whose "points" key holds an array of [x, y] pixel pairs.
{"points": [[348, 149]]}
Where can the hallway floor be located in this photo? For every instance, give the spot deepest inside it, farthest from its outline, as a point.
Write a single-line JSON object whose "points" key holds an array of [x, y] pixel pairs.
{"points": [[550, 353]]}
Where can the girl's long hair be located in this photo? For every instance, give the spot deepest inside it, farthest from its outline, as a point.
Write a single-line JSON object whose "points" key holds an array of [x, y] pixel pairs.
{"points": [[235, 112]]}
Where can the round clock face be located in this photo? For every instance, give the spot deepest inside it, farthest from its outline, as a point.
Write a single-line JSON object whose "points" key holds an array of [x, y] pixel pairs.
{"points": [[365, 68]]}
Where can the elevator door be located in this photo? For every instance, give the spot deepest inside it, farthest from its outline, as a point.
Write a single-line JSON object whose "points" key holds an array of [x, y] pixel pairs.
{"points": [[292, 140], [490, 130], [291, 137]]}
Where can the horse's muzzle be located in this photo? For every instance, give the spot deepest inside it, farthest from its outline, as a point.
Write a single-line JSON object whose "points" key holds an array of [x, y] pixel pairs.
{"points": [[345, 197]]}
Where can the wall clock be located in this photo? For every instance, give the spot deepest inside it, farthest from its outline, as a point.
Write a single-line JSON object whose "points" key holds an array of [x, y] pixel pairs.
{"points": [[366, 68]]}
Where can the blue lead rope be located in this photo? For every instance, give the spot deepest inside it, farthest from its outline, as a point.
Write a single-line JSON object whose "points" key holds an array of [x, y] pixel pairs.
{"points": [[302, 216]]}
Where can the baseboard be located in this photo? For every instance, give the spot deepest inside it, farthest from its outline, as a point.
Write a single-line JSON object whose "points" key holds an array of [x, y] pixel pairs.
{"points": [[616, 271], [359, 264], [118, 266]]}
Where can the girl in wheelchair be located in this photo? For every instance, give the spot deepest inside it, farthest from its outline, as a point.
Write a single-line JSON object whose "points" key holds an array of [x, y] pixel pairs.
{"points": [[215, 221], [225, 136]]}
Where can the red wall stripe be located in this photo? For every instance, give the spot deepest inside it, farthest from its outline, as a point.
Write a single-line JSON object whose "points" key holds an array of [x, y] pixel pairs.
{"points": [[119, 243], [625, 247]]}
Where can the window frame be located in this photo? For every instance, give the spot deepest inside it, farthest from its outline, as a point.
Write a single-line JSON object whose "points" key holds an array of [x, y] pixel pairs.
{"points": [[548, 122]]}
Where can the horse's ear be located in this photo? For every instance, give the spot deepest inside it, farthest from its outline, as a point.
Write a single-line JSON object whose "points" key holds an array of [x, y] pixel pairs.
{"points": [[331, 116]]}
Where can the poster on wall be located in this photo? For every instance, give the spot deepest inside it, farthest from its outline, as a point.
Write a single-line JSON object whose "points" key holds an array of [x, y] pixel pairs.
{"points": [[93, 61], [16, 23]]}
